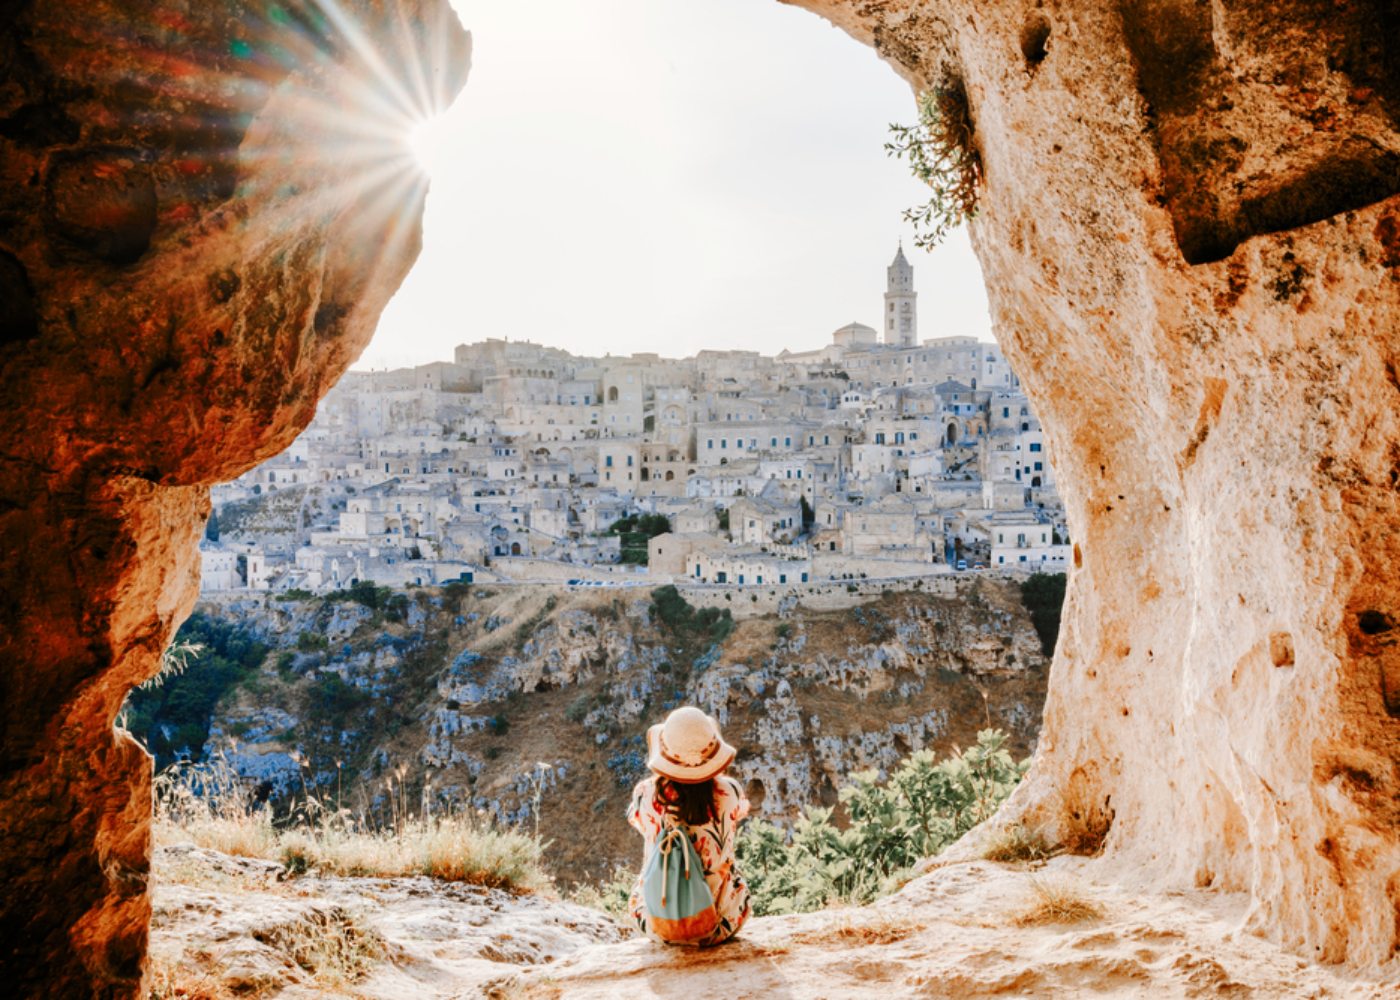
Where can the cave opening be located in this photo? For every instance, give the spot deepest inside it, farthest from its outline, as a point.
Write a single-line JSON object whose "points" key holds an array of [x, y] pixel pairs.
{"points": [[122, 346]]}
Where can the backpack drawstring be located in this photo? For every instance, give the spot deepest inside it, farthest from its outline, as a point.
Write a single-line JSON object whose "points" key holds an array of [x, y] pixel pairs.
{"points": [[666, 845]]}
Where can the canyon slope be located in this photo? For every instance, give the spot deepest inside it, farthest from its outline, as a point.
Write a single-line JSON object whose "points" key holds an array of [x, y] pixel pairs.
{"points": [[530, 704]]}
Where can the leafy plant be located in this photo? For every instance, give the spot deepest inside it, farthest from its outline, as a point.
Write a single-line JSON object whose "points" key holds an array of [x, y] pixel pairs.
{"points": [[636, 531], [924, 806], [207, 659], [613, 897], [693, 627], [941, 153]]}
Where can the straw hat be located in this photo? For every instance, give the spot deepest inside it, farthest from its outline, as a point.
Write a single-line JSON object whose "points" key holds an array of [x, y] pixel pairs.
{"points": [[687, 747]]}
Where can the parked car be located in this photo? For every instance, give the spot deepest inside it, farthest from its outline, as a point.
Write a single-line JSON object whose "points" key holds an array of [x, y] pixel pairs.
{"points": [[962, 564]]}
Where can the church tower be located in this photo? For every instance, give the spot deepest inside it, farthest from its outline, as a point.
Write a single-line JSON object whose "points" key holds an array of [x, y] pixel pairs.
{"points": [[901, 307]]}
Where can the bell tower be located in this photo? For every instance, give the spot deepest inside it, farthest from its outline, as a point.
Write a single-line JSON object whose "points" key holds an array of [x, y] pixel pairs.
{"points": [[901, 303]]}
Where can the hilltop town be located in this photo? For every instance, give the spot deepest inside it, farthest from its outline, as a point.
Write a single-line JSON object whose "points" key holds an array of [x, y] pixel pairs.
{"points": [[875, 457]]}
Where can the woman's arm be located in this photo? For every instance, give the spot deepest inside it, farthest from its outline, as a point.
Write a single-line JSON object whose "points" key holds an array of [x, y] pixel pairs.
{"points": [[634, 810]]}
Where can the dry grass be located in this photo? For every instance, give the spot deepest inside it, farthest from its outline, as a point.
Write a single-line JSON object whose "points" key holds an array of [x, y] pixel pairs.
{"points": [[209, 806], [170, 979], [452, 848], [1017, 843], [1055, 901], [328, 951], [854, 928], [331, 946]]}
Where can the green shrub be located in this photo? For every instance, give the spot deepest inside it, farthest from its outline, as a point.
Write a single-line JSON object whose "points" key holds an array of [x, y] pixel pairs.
{"points": [[172, 716], [636, 532], [578, 708], [693, 628], [364, 592], [922, 808], [309, 642], [612, 896], [333, 702]]}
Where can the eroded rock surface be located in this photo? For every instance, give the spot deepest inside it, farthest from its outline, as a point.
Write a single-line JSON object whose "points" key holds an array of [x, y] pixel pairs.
{"points": [[471, 695], [227, 925], [1191, 239], [203, 209], [967, 930]]}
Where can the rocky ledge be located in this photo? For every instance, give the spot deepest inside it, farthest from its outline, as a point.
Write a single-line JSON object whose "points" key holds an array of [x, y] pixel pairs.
{"points": [[226, 925], [236, 926]]}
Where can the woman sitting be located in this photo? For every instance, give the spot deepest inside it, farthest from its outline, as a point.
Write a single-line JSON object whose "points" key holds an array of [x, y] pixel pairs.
{"points": [[689, 791]]}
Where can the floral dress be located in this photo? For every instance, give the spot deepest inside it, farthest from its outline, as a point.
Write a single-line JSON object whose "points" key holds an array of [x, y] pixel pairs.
{"points": [[714, 842]]}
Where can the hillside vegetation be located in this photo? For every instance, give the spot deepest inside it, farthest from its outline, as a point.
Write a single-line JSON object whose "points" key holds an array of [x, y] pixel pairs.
{"points": [[529, 705]]}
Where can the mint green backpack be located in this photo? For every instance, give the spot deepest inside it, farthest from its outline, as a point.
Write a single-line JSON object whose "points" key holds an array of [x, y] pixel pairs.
{"points": [[677, 899]]}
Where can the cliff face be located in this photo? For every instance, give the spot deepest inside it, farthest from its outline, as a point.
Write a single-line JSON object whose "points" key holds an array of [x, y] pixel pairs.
{"points": [[469, 694], [1188, 228]]}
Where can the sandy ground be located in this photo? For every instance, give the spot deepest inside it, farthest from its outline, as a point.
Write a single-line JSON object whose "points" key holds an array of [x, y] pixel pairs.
{"points": [[226, 927]]}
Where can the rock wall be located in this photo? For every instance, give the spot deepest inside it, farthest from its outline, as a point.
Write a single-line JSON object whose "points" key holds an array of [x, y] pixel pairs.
{"points": [[1190, 235], [203, 209]]}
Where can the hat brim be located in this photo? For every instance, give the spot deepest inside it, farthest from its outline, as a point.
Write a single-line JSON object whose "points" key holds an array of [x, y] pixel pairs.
{"points": [[686, 774]]}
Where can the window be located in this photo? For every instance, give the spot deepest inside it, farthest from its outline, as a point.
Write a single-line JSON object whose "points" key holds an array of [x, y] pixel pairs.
{"points": [[710, 443], [607, 462], [1035, 446]]}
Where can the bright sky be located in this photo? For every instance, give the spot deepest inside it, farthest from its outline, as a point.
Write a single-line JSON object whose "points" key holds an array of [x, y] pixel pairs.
{"points": [[666, 175]]}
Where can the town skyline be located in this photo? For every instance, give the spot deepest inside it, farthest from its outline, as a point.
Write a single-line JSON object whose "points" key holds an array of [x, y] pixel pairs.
{"points": [[647, 173]]}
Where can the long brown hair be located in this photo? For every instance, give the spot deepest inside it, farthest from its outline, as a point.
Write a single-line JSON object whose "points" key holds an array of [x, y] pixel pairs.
{"points": [[690, 803]]}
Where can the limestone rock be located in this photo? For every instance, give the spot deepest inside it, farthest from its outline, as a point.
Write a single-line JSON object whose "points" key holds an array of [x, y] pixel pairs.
{"points": [[189, 257], [238, 925], [1188, 228]]}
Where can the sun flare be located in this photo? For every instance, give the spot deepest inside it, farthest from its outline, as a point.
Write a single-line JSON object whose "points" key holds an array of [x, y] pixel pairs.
{"points": [[426, 141]]}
